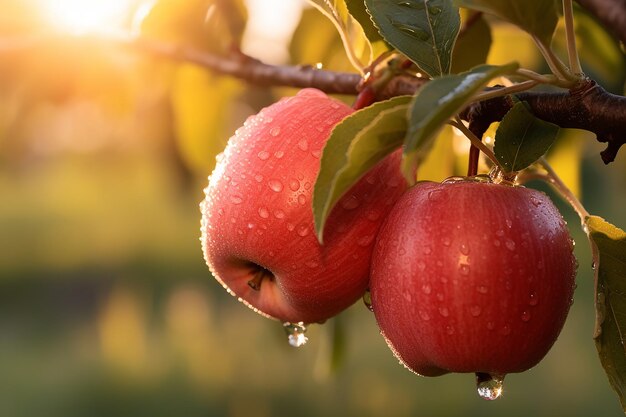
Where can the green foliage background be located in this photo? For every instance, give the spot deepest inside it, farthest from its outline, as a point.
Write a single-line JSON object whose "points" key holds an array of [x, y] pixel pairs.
{"points": [[106, 306]]}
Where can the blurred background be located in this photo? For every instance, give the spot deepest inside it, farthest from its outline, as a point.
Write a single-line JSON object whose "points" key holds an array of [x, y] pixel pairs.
{"points": [[106, 306]]}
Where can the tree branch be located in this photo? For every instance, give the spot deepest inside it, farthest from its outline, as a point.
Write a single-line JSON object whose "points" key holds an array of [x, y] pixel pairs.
{"points": [[588, 106], [610, 13], [254, 71]]}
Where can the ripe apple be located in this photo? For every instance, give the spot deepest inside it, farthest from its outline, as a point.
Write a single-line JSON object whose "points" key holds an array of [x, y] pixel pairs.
{"points": [[257, 226], [472, 276]]}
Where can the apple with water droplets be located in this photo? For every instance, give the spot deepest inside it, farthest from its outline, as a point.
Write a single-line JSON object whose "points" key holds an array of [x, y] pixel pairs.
{"points": [[472, 276], [257, 226]]}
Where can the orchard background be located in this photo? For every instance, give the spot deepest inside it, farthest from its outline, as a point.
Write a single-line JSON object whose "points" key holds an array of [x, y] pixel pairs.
{"points": [[106, 305]]}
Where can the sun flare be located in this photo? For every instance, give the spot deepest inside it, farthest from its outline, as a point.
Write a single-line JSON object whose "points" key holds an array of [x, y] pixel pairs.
{"points": [[80, 17]]}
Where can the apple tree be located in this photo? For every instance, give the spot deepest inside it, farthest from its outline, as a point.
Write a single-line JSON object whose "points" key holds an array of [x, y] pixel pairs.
{"points": [[459, 269]]}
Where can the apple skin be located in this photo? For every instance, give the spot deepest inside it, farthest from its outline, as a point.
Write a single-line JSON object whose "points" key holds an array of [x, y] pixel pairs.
{"points": [[472, 276], [257, 214]]}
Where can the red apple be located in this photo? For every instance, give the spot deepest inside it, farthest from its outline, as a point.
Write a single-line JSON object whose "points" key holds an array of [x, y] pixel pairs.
{"points": [[257, 225], [472, 276]]}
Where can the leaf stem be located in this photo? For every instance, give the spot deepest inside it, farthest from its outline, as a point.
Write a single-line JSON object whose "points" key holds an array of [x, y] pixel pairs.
{"points": [[515, 88], [551, 177], [540, 78], [556, 66], [458, 123], [334, 17], [570, 36]]}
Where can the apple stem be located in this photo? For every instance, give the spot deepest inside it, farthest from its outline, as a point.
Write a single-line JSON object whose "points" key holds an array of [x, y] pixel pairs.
{"points": [[257, 279], [472, 162], [366, 97], [476, 142]]}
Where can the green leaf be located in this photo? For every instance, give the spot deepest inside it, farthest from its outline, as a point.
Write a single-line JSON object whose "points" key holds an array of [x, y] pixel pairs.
{"points": [[472, 48], [610, 268], [315, 40], [356, 44], [537, 17], [211, 25], [423, 30], [521, 138], [436, 103], [356, 145], [359, 12]]}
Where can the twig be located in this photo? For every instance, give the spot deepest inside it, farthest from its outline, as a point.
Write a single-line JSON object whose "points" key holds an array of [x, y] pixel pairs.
{"points": [[570, 36], [585, 106], [458, 123]]}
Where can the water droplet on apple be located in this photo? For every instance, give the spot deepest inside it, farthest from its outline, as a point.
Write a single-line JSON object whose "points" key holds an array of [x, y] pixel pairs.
{"points": [[294, 184], [291, 227], [489, 386], [367, 300], [500, 233], [533, 300], [464, 269], [316, 154], [350, 202], [279, 214], [295, 333], [526, 316], [366, 240], [275, 131], [235, 199], [535, 201], [510, 245], [435, 195], [483, 289], [303, 145], [424, 315], [454, 179], [275, 185], [263, 155], [268, 119], [301, 199], [311, 264], [279, 154], [258, 178], [427, 250], [506, 330], [464, 249], [496, 243], [475, 310], [263, 212], [373, 215], [509, 223], [450, 330], [426, 289], [446, 241], [303, 230], [444, 311]]}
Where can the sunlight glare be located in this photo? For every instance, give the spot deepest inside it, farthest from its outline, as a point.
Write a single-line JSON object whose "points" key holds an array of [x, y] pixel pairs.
{"points": [[80, 17]]}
